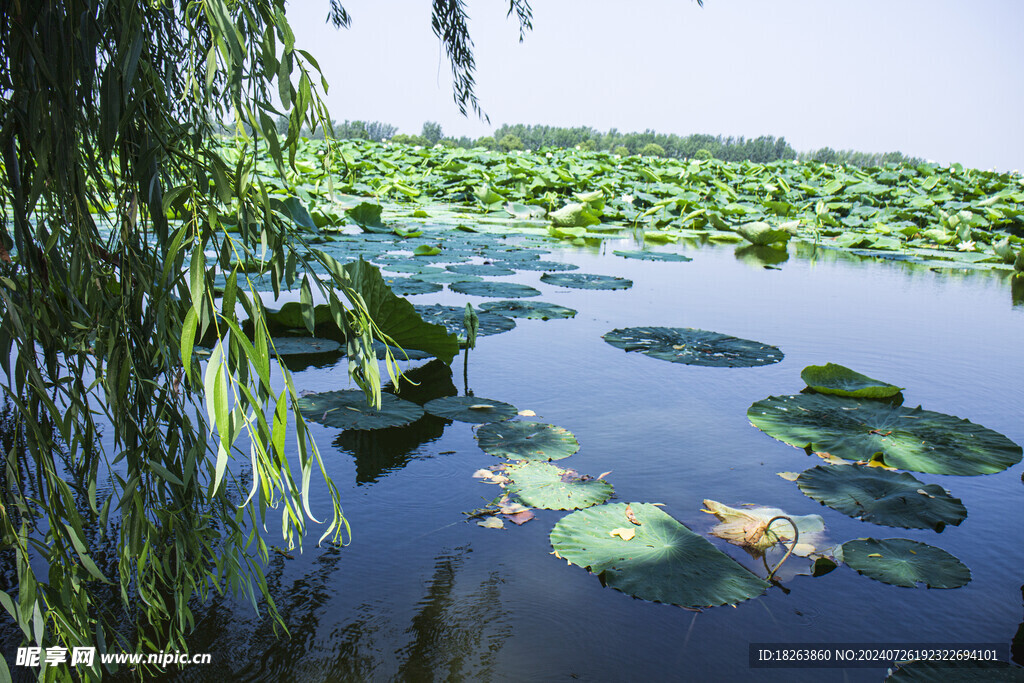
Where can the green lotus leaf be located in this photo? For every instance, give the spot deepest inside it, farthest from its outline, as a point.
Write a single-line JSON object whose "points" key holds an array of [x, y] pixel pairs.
{"points": [[290, 315], [426, 250], [367, 216], [485, 269], [547, 487], [394, 316], [415, 268], [453, 318], [509, 290], [841, 381], [470, 409], [295, 346], [652, 255], [882, 497], [406, 286], [907, 438], [694, 347], [538, 310], [762, 234], [547, 266], [527, 441], [586, 281], [664, 561], [902, 562], [348, 409], [446, 277], [574, 216]]}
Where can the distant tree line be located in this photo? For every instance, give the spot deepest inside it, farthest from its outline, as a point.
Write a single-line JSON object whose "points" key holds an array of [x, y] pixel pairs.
{"points": [[509, 138]]}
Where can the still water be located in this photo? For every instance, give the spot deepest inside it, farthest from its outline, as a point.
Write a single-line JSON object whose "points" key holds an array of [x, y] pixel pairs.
{"points": [[422, 594]]}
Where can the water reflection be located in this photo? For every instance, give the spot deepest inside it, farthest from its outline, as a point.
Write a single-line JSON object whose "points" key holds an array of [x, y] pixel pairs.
{"points": [[380, 451], [761, 256]]}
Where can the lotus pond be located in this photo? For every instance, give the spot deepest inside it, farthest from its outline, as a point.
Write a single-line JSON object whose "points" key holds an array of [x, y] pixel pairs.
{"points": [[621, 380]]}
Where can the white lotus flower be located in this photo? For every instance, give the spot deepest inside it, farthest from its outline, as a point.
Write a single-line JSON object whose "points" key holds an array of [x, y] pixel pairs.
{"points": [[628, 198], [966, 246]]}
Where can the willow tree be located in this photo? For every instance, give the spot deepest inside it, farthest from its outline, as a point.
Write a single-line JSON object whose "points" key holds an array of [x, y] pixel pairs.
{"points": [[119, 212]]}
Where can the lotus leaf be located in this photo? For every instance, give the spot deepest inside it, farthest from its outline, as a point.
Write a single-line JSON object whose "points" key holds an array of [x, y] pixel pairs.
{"points": [[290, 315], [295, 346], [653, 255], [882, 497], [446, 277], [664, 561], [586, 281], [393, 315], [841, 381], [907, 438], [748, 528], [762, 234], [415, 268], [348, 409], [574, 215], [509, 290], [547, 266], [485, 269], [694, 347], [406, 286], [453, 318], [470, 409], [527, 441], [902, 562], [540, 310], [367, 216], [547, 487]]}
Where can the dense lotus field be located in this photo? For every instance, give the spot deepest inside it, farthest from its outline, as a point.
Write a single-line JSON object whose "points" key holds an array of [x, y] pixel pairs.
{"points": [[937, 216]]}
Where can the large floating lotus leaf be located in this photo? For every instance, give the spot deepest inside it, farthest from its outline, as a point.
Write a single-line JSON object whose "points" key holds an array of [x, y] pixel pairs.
{"points": [[841, 381], [446, 277], [586, 281], [290, 315], [694, 347], [527, 441], [297, 346], [902, 562], [510, 290], [663, 561], [453, 318], [548, 266], [470, 409], [542, 485], [748, 528], [907, 438], [539, 310], [406, 286], [395, 316], [652, 255], [484, 269], [762, 234], [417, 268], [348, 409], [882, 497]]}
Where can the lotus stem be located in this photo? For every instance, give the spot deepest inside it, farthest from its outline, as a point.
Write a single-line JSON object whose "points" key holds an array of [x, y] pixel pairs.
{"points": [[789, 551]]}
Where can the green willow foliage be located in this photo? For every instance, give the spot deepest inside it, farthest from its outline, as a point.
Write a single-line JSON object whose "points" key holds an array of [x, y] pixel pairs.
{"points": [[124, 510]]}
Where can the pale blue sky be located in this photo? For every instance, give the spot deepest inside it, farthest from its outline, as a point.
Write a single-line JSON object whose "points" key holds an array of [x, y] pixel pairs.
{"points": [[939, 79]]}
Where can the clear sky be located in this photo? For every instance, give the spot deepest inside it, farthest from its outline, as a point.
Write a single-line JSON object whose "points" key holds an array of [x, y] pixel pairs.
{"points": [[938, 79]]}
